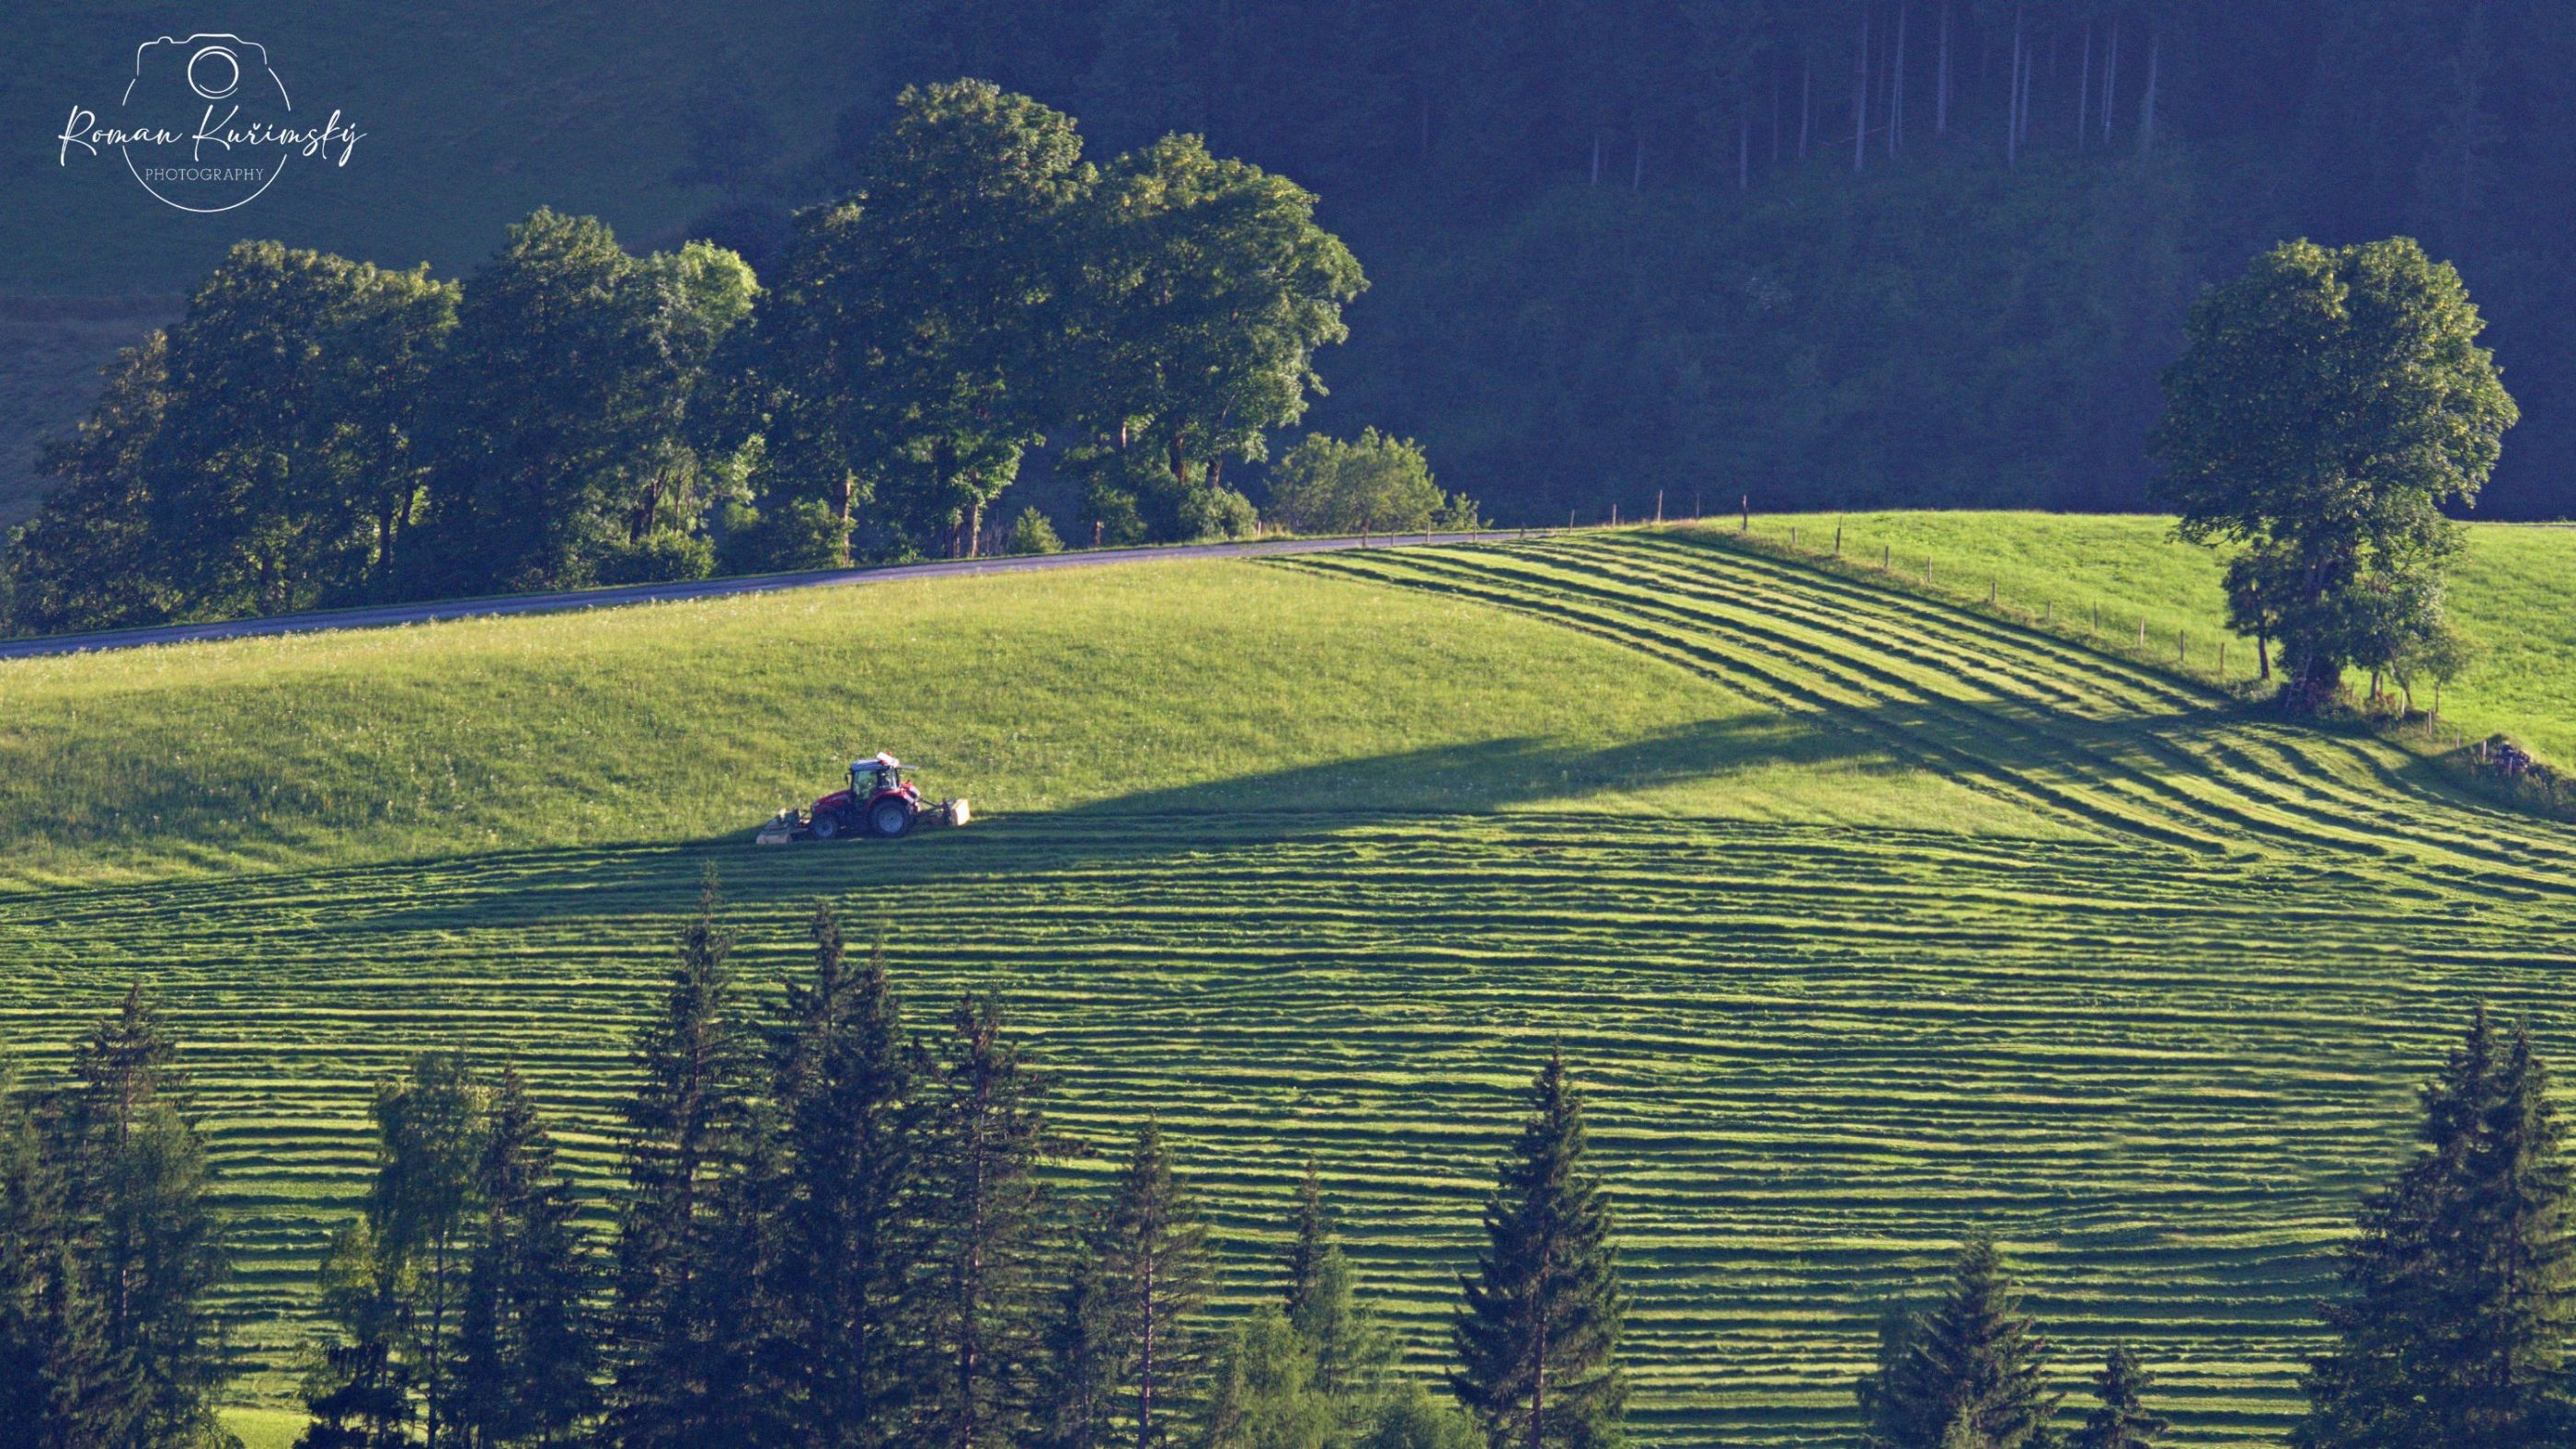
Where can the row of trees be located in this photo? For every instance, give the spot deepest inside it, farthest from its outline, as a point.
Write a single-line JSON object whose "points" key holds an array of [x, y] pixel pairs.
{"points": [[318, 431], [836, 1231]]}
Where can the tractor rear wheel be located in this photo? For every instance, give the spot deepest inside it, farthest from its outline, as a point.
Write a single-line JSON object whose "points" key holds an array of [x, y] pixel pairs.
{"points": [[890, 818], [826, 825]]}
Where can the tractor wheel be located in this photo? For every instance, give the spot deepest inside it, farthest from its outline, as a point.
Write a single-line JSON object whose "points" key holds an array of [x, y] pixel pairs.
{"points": [[890, 818], [826, 825]]}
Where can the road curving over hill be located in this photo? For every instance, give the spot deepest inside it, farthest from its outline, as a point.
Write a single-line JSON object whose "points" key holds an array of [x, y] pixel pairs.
{"points": [[379, 616]]}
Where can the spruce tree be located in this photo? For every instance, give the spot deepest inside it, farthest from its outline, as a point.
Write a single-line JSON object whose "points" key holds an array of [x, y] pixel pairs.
{"points": [[56, 1384], [2454, 1324], [1352, 1352], [1153, 1257], [527, 1358], [848, 1100], [151, 1249], [1537, 1335], [983, 1208], [1973, 1363], [687, 1346], [1077, 1373], [2121, 1421]]}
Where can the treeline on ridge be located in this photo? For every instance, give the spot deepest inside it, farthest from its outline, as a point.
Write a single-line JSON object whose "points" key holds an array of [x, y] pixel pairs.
{"points": [[319, 432], [836, 1229]]}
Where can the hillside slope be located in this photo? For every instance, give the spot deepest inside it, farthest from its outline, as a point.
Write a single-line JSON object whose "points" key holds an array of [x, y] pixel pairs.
{"points": [[1907, 923]]}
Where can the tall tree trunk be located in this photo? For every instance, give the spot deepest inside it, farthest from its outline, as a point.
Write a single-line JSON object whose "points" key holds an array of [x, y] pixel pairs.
{"points": [[1860, 96], [1145, 1364], [2147, 106], [1806, 101], [2084, 94], [1775, 117], [2110, 81], [2012, 99], [1896, 86]]}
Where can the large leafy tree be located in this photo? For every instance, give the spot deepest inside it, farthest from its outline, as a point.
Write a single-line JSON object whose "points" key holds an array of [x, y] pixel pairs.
{"points": [[2329, 404], [1206, 288], [912, 326], [1971, 1368], [1538, 1332], [2460, 1288], [287, 471], [85, 560], [564, 408]]}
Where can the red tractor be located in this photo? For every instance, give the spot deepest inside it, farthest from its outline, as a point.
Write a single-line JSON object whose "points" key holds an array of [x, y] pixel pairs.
{"points": [[879, 801]]}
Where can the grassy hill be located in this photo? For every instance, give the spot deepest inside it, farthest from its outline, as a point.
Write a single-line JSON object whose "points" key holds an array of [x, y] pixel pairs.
{"points": [[1869, 918]]}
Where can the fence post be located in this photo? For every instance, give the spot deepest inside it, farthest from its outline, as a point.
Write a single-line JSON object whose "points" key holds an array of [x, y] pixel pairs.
{"points": [[2182, 648], [1747, 502], [1659, 505], [1994, 590], [1927, 569], [2048, 611], [2142, 631], [1793, 537], [2222, 657], [1887, 558], [1095, 532], [1838, 540]]}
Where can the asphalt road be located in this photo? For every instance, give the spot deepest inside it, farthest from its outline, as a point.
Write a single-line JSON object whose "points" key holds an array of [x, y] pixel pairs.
{"points": [[378, 617]]}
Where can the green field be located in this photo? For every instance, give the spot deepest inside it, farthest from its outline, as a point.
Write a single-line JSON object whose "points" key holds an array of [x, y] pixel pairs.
{"points": [[1869, 919]]}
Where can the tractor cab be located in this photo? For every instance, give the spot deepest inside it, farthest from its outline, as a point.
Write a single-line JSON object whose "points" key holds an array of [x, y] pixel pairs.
{"points": [[872, 777]]}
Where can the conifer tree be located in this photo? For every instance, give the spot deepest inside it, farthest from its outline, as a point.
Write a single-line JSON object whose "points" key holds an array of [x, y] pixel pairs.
{"points": [[1153, 1258], [56, 1387], [983, 1208], [2121, 1421], [847, 1091], [1077, 1376], [1973, 1363], [2459, 1292], [151, 1249], [526, 1354], [688, 1338], [1537, 1335]]}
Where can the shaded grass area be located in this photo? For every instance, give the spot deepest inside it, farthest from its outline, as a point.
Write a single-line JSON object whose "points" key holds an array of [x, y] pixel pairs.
{"points": [[1871, 921]]}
